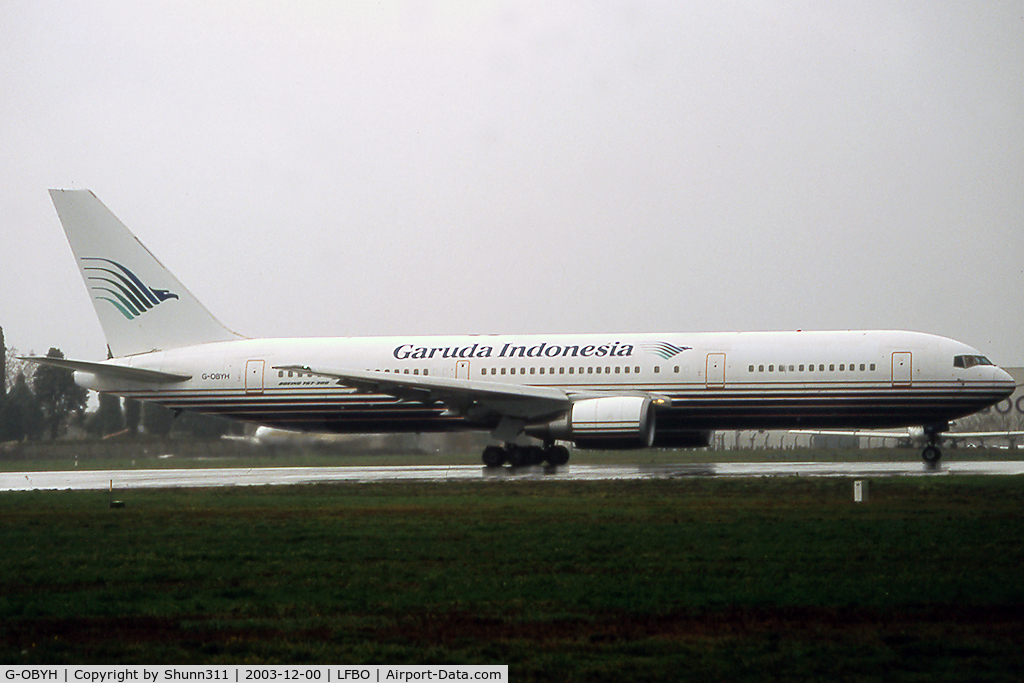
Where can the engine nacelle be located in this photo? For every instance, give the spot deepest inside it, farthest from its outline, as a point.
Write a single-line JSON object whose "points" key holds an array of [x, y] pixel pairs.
{"points": [[615, 422]]}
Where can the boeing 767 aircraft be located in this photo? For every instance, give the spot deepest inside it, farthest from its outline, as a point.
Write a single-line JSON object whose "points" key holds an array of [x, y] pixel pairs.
{"points": [[615, 391]]}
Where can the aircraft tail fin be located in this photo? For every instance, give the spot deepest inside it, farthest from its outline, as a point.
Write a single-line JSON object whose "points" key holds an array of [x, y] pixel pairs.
{"points": [[141, 306]]}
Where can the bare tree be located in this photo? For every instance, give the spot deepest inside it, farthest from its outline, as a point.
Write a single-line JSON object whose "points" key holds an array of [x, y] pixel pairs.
{"points": [[15, 366]]}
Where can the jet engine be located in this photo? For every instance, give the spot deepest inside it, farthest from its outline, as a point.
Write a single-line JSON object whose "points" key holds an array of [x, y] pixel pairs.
{"points": [[615, 422]]}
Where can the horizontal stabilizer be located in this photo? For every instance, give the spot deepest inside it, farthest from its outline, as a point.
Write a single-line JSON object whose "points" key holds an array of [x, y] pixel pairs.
{"points": [[110, 371]]}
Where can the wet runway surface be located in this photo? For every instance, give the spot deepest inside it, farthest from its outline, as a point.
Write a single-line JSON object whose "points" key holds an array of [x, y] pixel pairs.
{"points": [[83, 480]]}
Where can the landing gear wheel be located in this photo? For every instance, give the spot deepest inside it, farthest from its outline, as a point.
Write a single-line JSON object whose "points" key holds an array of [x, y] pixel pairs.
{"points": [[494, 456], [519, 456], [931, 455], [556, 455], [535, 455]]}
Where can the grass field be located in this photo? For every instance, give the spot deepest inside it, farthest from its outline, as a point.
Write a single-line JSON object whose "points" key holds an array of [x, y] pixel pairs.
{"points": [[690, 579]]}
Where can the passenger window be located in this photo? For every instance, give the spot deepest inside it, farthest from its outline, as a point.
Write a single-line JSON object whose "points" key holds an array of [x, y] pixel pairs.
{"points": [[503, 371], [676, 369], [657, 369], [617, 369], [533, 371], [637, 369], [832, 367], [426, 372], [571, 369], [841, 367], [627, 369], [791, 368], [771, 368], [750, 368], [542, 371], [416, 371], [821, 368], [872, 367], [862, 367], [801, 368], [760, 368], [599, 371]]}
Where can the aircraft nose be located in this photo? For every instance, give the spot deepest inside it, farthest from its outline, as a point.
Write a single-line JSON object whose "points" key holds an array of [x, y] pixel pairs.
{"points": [[1001, 376]]}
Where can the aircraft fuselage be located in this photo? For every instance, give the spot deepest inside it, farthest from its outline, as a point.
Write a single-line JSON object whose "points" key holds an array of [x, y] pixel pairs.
{"points": [[741, 380]]}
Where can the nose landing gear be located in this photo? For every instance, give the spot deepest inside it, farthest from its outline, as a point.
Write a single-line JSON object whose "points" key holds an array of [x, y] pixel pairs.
{"points": [[931, 453]]}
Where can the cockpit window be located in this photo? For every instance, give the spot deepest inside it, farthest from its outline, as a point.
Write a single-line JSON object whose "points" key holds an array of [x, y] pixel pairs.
{"points": [[970, 361]]}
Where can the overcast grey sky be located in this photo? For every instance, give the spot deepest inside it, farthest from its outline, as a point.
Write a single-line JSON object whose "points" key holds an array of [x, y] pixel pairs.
{"points": [[519, 167]]}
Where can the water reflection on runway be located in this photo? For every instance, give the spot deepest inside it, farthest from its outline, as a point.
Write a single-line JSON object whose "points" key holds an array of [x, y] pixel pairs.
{"points": [[265, 476]]}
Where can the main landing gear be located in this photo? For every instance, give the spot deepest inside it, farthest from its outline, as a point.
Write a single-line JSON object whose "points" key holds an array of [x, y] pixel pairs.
{"points": [[522, 456]]}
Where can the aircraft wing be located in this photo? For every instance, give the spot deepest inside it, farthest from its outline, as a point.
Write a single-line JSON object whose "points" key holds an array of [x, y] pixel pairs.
{"points": [[853, 432], [903, 434], [462, 396], [982, 435]]}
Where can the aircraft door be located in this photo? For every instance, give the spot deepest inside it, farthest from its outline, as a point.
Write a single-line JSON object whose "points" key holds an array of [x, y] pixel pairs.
{"points": [[902, 368], [715, 371], [254, 377], [462, 369]]}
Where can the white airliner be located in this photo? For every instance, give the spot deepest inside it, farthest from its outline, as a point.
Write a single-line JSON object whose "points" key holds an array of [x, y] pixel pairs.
{"points": [[621, 390]]}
